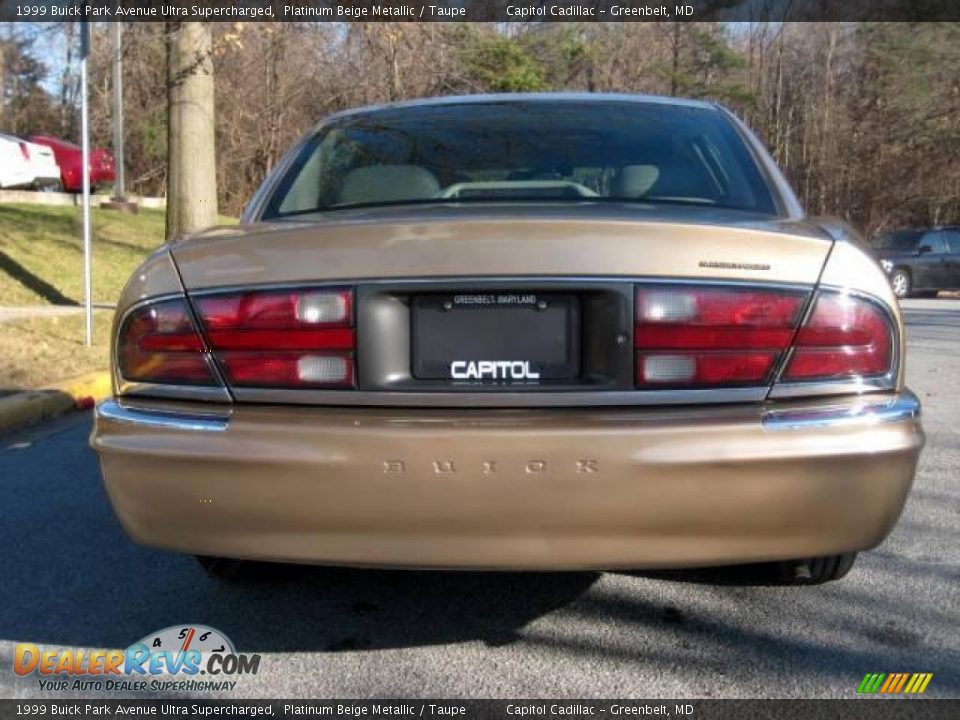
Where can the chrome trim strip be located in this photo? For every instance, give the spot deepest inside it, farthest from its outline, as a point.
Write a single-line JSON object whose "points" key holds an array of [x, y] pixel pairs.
{"points": [[835, 387], [167, 419], [866, 412], [176, 392], [493, 399], [538, 280]]}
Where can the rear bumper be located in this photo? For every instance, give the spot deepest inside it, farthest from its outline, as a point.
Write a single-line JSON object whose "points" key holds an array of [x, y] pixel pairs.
{"points": [[102, 176], [528, 489], [17, 179]]}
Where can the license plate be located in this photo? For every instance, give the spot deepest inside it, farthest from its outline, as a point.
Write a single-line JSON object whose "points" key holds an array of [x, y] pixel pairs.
{"points": [[495, 338]]}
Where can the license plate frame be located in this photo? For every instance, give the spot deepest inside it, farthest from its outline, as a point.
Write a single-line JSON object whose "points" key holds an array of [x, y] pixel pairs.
{"points": [[542, 330]]}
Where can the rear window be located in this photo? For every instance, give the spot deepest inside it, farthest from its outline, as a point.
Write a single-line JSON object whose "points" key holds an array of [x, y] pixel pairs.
{"points": [[905, 240], [525, 151]]}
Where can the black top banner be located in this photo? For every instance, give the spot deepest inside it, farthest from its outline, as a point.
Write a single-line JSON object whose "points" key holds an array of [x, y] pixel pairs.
{"points": [[478, 10]]}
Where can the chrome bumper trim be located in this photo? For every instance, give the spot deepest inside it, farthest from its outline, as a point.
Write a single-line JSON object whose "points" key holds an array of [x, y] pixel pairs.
{"points": [[903, 407], [211, 421], [536, 399], [865, 411]]}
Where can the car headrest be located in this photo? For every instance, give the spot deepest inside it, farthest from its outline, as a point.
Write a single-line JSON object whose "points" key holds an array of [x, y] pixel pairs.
{"points": [[384, 183], [634, 180]]}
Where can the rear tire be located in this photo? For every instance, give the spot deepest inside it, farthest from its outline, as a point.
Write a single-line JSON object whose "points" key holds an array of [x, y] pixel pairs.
{"points": [[223, 568], [816, 571], [902, 283], [231, 570]]}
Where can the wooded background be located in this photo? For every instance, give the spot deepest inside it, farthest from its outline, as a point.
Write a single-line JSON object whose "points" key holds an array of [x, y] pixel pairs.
{"points": [[864, 118]]}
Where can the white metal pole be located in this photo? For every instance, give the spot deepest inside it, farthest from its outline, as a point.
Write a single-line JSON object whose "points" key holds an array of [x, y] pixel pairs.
{"points": [[116, 29], [87, 249]]}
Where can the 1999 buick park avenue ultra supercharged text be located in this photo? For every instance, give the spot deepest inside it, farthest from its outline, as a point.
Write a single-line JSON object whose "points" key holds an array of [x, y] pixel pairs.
{"points": [[515, 332]]}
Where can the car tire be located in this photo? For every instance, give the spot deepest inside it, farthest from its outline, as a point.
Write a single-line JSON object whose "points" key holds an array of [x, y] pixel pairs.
{"points": [[232, 570], [902, 283], [223, 568], [816, 571]]}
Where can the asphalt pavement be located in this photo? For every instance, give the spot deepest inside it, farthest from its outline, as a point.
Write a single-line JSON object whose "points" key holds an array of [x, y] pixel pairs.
{"points": [[70, 578]]}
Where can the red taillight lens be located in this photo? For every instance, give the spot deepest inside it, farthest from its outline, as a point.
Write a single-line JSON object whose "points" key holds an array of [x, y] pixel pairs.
{"points": [[25, 151], [283, 338], [844, 337], [159, 344], [696, 337]]}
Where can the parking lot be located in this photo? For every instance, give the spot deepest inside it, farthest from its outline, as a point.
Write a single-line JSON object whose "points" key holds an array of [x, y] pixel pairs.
{"points": [[71, 578]]}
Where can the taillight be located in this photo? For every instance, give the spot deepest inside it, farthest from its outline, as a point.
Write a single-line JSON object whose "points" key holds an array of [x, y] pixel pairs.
{"points": [[282, 338], [159, 343], [845, 337], [706, 337], [25, 151]]}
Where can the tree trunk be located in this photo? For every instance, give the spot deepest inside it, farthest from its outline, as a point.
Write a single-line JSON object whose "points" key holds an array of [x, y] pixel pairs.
{"points": [[191, 159], [675, 60], [3, 83]]}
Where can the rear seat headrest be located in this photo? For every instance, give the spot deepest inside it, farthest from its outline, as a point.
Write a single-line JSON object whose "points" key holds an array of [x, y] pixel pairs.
{"points": [[385, 183], [634, 180]]}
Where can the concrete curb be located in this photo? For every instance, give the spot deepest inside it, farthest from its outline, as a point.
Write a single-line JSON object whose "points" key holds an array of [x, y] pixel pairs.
{"points": [[31, 197], [34, 406]]}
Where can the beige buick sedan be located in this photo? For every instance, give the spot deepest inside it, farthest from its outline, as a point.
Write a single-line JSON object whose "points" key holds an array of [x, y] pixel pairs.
{"points": [[515, 332]]}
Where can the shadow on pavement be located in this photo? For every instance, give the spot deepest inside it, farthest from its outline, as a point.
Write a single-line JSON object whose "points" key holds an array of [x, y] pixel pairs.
{"points": [[71, 577]]}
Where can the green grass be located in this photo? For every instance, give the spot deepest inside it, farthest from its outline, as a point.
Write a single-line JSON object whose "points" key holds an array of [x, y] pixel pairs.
{"points": [[41, 252], [40, 351], [41, 263]]}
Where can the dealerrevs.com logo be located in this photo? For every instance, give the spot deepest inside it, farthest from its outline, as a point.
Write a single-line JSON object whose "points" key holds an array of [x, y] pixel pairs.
{"points": [[180, 653]]}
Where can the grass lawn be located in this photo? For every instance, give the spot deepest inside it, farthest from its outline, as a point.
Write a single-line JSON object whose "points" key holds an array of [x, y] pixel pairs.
{"points": [[43, 350], [41, 263], [41, 252]]}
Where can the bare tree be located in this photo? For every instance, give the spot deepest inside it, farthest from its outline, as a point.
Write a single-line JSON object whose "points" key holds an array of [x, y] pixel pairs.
{"points": [[863, 117], [3, 81]]}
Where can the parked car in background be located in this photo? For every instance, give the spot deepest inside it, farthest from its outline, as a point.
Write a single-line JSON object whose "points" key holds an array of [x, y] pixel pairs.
{"points": [[24, 164], [515, 332], [15, 169], [922, 261], [70, 159]]}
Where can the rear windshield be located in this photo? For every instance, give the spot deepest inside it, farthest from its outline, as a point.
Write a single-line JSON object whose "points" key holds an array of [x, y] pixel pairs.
{"points": [[903, 240], [524, 151]]}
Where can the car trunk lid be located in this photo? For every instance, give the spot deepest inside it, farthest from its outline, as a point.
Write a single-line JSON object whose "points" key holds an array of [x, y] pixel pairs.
{"points": [[474, 242]]}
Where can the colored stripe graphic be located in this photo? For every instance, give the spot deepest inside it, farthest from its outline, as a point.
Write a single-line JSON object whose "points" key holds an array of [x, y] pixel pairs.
{"points": [[918, 683], [871, 682], [894, 683]]}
